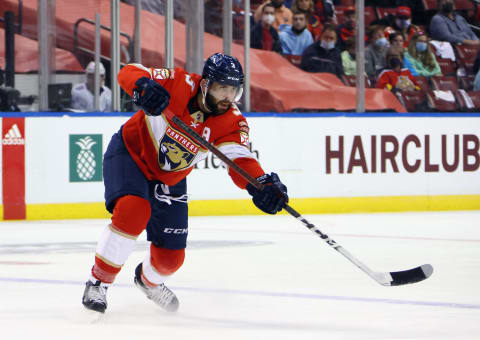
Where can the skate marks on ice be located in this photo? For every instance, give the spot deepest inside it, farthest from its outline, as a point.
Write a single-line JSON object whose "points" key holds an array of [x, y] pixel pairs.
{"points": [[81, 247], [261, 294]]}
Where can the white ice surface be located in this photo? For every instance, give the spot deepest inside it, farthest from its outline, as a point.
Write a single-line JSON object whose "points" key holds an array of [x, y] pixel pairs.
{"points": [[263, 277]]}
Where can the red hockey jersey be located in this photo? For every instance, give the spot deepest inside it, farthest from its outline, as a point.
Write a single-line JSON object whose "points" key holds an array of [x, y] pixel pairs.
{"points": [[403, 80], [162, 150]]}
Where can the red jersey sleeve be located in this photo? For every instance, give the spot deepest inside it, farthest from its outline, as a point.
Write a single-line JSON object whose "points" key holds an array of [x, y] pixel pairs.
{"points": [[383, 81], [129, 74], [234, 143]]}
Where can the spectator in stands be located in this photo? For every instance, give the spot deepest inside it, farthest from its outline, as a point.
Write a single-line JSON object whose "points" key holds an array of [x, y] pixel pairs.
{"points": [[314, 24], [375, 51], [323, 56], [296, 38], [396, 78], [396, 40], [348, 58], [325, 10], [263, 35], [282, 15], [449, 26], [422, 61], [83, 93], [401, 22], [347, 29]]}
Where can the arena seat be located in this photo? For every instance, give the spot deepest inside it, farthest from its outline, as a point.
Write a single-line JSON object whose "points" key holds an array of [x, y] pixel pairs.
{"points": [[464, 101], [464, 5], [466, 56], [429, 5], [447, 66], [475, 97], [423, 83], [466, 82], [382, 12], [444, 83], [440, 105], [370, 15], [413, 100]]}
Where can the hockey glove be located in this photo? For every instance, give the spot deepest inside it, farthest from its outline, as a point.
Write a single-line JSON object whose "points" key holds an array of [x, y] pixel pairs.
{"points": [[150, 96], [274, 195]]}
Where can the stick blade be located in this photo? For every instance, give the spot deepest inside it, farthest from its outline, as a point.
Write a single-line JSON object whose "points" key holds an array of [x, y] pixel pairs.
{"points": [[411, 275]]}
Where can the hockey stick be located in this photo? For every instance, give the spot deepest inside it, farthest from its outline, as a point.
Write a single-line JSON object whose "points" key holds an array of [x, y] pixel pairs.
{"points": [[413, 275]]}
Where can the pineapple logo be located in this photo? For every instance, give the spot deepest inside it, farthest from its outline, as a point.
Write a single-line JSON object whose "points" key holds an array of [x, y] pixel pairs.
{"points": [[86, 158]]}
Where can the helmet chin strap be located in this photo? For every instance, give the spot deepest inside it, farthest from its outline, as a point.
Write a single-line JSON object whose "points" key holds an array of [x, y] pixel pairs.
{"points": [[204, 89]]}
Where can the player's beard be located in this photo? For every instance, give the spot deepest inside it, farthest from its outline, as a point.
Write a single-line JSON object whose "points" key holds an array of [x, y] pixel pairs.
{"points": [[212, 104]]}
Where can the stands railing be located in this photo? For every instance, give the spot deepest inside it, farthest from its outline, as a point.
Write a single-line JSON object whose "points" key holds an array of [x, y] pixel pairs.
{"points": [[77, 48]]}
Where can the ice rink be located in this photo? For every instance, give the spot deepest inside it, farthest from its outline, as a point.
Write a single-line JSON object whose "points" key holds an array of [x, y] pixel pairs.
{"points": [[261, 277]]}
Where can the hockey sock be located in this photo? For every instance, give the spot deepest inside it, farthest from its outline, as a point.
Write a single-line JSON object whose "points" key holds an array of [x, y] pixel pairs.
{"points": [[130, 218], [160, 263]]}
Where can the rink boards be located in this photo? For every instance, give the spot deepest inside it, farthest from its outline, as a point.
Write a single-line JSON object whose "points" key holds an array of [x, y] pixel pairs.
{"points": [[51, 164]]}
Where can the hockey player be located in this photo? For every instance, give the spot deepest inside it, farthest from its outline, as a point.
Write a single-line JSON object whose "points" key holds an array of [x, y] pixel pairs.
{"points": [[146, 163]]}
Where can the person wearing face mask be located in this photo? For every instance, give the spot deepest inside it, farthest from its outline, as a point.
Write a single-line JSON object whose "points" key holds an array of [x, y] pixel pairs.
{"points": [[263, 35], [347, 29], [282, 14], [395, 77], [296, 38], [348, 58], [401, 22], [314, 25], [421, 60], [449, 26], [323, 56], [375, 51], [325, 9]]}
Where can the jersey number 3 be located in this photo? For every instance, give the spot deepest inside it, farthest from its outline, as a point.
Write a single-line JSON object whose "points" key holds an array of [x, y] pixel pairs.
{"points": [[189, 81]]}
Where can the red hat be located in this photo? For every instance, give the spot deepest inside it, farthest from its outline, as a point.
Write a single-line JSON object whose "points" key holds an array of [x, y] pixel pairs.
{"points": [[404, 11], [348, 9]]}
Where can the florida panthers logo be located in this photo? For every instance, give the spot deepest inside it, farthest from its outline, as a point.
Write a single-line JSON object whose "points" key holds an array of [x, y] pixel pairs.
{"points": [[176, 152]]}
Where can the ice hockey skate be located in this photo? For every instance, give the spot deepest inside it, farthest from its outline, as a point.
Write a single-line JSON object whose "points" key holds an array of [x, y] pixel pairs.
{"points": [[95, 296], [160, 294]]}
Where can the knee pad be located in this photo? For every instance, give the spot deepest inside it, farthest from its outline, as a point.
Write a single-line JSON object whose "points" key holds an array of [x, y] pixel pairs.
{"points": [[166, 261], [131, 214]]}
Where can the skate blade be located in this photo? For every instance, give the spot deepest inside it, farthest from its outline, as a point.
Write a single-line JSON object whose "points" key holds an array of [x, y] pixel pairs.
{"points": [[93, 317]]}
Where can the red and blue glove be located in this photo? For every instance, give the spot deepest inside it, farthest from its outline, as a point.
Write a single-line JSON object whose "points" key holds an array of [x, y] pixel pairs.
{"points": [[150, 96]]}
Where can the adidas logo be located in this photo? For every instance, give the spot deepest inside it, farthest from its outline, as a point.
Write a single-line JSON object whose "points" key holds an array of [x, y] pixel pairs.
{"points": [[13, 136]]}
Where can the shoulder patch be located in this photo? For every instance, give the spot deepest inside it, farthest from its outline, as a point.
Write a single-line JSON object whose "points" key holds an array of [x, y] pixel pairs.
{"points": [[163, 73]]}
